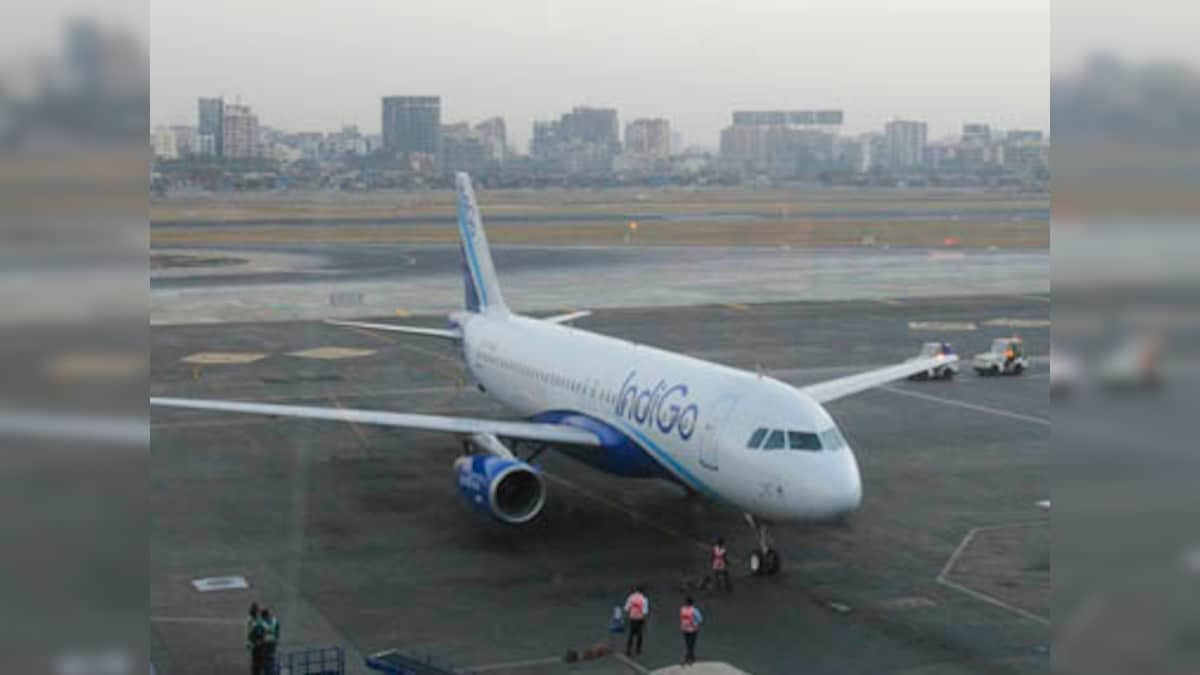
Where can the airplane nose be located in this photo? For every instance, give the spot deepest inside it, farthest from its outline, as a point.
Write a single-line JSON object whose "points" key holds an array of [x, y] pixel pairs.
{"points": [[848, 489]]}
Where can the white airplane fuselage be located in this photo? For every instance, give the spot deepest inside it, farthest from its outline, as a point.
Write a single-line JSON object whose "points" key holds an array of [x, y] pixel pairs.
{"points": [[685, 419]]}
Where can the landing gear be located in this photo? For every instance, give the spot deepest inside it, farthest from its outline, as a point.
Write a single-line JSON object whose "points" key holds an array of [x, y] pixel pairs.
{"points": [[764, 560]]}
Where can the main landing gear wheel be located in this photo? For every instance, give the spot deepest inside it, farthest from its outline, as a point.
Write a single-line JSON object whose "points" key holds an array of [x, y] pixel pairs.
{"points": [[764, 563], [764, 560]]}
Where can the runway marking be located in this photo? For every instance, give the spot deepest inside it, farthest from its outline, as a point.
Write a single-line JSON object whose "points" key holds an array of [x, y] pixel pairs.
{"points": [[968, 406], [197, 620], [903, 603], [889, 301], [331, 353], [738, 306], [942, 577], [223, 358], [942, 325], [362, 438], [1010, 322], [1044, 504], [1036, 298], [209, 584]]}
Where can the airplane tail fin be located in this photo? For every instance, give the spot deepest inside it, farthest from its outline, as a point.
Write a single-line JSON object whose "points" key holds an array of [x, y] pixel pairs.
{"points": [[479, 277]]}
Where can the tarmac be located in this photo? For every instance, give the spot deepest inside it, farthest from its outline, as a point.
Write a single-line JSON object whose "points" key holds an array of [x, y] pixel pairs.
{"points": [[289, 281], [356, 536]]}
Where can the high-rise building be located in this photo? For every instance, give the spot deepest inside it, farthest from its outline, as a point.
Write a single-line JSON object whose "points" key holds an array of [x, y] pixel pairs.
{"points": [[583, 141], [649, 137], [411, 124], [592, 125], [240, 133], [547, 135], [493, 134], [162, 142], [210, 122], [782, 143], [462, 149], [976, 134], [186, 141], [906, 142], [1025, 150]]}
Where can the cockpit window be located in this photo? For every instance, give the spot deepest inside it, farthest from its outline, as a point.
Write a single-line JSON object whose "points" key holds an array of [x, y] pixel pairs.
{"points": [[803, 440], [756, 438], [832, 439], [774, 441]]}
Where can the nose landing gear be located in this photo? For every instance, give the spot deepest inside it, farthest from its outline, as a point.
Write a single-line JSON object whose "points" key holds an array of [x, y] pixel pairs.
{"points": [[764, 560]]}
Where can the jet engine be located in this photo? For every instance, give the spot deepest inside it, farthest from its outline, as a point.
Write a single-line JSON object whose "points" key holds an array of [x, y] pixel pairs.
{"points": [[508, 490]]}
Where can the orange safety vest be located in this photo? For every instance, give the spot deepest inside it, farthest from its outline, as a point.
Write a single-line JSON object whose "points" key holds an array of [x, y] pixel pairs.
{"points": [[687, 619], [718, 558], [637, 606]]}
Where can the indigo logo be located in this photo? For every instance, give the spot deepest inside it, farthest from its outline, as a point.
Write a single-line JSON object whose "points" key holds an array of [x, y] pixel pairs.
{"points": [[661, 406]]}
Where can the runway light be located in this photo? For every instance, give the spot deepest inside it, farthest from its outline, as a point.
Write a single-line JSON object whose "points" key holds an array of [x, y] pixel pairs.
{"points": [[950, 241], [633, 225]]}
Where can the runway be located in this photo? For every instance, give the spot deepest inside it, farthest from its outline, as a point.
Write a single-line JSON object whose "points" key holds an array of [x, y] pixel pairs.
{"points": [[290, 281], [355, 535]]}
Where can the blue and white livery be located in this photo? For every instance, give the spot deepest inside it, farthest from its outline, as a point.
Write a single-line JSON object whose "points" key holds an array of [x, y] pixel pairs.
{"points": [[742, 439]]}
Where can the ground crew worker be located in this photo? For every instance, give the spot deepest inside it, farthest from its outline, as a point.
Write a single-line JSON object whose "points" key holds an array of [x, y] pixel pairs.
{"points": [[270, 639], [251, 619], [689, 624], [255, 640], [637, 606], [720, 565]]}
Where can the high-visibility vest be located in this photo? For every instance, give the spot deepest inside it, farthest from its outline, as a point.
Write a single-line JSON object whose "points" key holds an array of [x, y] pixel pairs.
{"points": [[687, 619], [718, 558], [251, 638], [637, 606], [272, 630]]}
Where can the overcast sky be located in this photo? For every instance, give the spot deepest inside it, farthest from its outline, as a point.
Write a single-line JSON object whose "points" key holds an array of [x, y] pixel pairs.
{"points": [[315, 64]]}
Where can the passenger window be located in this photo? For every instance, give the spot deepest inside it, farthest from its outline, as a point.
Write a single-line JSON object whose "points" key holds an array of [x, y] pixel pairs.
{"points": [[774, 441], [802, 440], [756, 438]]}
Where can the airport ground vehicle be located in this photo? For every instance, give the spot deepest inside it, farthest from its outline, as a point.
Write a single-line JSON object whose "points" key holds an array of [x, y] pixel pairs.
{"points": [[934, 350], [1005, 357]]}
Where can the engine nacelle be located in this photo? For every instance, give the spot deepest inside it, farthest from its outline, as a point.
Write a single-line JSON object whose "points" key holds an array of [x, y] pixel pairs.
{"points": [[508, 490]]}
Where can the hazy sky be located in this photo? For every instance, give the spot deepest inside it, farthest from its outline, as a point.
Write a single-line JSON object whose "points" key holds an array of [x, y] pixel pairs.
{"points": [[315, 64]]}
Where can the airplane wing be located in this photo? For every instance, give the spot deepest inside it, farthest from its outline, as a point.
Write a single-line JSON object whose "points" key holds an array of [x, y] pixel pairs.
{"points": [[446, 334], [568, 317], [831, 390], [526, 431]]}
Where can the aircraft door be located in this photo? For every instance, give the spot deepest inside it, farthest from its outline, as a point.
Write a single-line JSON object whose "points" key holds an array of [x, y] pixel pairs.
{"points": [[710, 436]]}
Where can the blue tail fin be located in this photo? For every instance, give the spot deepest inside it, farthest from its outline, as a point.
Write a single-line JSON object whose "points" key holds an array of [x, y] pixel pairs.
{"points": [[482, 290]]}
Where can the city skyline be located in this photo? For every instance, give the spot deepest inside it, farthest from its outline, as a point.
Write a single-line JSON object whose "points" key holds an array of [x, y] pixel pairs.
{"points": [[527, 146], [530, 61]]}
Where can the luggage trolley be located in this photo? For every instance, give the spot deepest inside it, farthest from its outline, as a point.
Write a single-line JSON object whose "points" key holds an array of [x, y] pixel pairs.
{"points": [[394, 662], [320, 661]]}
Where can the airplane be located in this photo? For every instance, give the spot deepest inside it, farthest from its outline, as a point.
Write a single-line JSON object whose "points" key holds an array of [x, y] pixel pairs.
{"points": [[742, 439]]}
